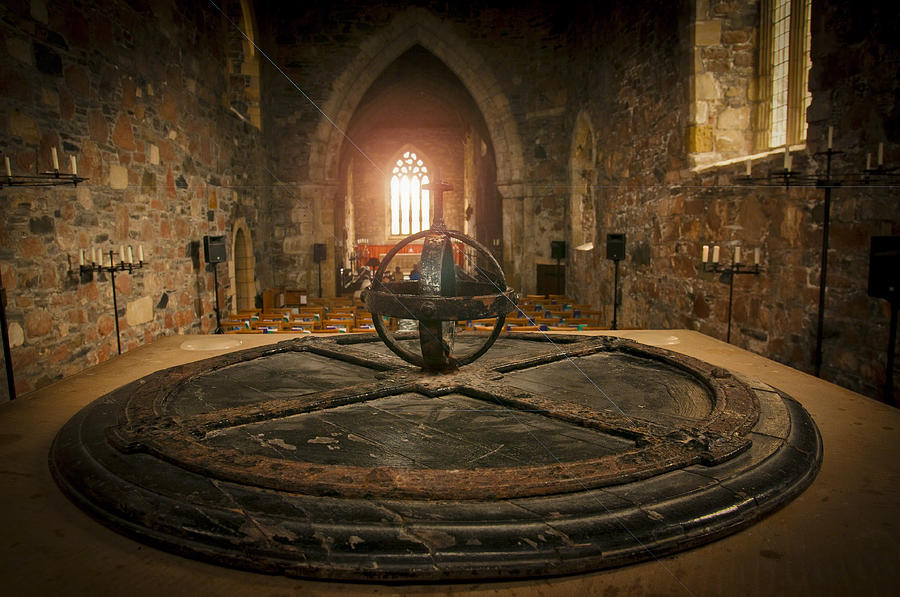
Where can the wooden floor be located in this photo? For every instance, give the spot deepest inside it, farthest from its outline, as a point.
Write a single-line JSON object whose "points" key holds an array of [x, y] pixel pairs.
{"points": [[840, 537]]}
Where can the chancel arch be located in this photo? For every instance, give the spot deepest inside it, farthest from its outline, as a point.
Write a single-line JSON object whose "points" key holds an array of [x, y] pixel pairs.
{"points": [[411, 31]]}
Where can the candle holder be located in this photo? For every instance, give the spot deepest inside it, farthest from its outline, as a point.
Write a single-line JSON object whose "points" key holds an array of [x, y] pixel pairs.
{"points": [[49, 178], [879, 175], [728, 272], [87, 274], [44, 179]]}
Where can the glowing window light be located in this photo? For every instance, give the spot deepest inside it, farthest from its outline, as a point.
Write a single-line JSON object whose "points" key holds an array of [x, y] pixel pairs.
{"points": [[410, 203]]}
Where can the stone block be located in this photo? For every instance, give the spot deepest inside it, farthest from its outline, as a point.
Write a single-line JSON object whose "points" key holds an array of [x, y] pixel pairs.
{"points": [[122, 134], [38, 323], [78, 82], [699, 139], [154, 154], [24, 126], [49, 97], [297, 245], [734, 119], [20, 49], [708, 33], [139, 311], [118, 176], [97, 126], [700, 112], [706, 87], [105, 325], [16, 334]]}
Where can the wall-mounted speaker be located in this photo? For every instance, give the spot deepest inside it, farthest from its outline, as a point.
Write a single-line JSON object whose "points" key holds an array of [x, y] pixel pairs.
{"points": [[884, 267], [557, 249], [320, 252], [214, 249], [615, 247]]}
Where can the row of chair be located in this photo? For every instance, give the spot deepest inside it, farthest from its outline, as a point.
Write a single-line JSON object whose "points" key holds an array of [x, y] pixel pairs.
{"points": [[340, 315]]}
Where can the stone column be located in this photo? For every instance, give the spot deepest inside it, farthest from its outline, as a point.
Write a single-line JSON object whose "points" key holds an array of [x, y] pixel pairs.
{"points": [[514, 234]]}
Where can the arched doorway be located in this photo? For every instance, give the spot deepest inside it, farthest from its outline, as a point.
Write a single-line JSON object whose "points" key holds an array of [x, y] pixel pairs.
{"points": [[244, 265], [487, 177], [417, 122]]}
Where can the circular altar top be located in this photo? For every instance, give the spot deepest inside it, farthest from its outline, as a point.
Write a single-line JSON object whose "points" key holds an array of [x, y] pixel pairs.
{"points": [[332, 458]]}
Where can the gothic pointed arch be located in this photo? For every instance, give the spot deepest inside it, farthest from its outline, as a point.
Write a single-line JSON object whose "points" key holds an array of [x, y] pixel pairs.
{"points": [[411, 27]]}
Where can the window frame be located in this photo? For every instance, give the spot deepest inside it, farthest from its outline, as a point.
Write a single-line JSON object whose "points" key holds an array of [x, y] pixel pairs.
{"points": [[424, 219], [798, 64]]}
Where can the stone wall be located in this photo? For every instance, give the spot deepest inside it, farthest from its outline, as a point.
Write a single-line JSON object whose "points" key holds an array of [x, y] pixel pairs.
{"points": [[724, 39], [140, 93], [643, 110], [135, 91]]}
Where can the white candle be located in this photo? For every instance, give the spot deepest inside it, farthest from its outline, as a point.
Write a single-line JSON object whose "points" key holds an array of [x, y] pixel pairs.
{"points": [[830, 136], [81, 257], [787, 158], [122, 253], [93, 255], [748, 166], [55, 158], [141, 253], [8, 169], [868, 161], [74, 166], [756, 256], [737, 254], [716, 254], [705, 253], [881, 154], [130, 255]]}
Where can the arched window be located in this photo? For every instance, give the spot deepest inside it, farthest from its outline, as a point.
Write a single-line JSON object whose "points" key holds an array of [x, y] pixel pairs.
{"points": [[410, 203]]}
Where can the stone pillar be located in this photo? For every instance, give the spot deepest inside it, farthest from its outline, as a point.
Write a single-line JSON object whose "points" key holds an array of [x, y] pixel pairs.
{"points": [[514, 235], [322, 196]]}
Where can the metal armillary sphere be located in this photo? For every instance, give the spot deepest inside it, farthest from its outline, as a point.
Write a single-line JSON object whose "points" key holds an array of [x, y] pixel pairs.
{"points": [[442, 294]]}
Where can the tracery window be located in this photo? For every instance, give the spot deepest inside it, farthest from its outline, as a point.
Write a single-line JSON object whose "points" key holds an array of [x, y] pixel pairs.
{"points": [[410, 203]]}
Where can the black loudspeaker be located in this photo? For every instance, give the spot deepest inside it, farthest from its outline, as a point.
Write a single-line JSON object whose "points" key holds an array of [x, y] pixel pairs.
{"points": [[214, 249], [557, 249], [615, 247], [884, 267], [319, 252]]}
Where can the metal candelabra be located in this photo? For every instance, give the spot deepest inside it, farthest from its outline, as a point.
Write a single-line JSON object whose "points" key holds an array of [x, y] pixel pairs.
{"points": [[50, 178], [729, 272], [87, 274], [787, 177]]}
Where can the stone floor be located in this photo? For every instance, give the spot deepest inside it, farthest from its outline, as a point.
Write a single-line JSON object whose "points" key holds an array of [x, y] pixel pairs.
{"points": [[838, 538]]}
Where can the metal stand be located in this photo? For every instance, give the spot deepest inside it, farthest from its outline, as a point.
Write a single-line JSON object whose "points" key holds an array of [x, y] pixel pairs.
{"points": [[827, 183], [730, 272], [320, 278], [7, 353], [789, 178], [892, 348], [559, 278], [87, 274], [615, 295], [218, 329]]}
